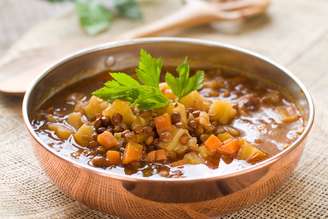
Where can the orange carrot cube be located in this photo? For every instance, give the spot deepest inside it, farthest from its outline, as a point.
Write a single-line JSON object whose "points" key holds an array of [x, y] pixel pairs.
{"points": [[107, 140], [163, 123], [212, 143], [230, 147], [132, 152], [114, 157]]}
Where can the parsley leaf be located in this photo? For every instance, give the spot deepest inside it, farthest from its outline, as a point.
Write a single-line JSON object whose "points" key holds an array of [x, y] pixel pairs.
{"points": [[183, 84], [149, 69], [150, 98], [128, 8], [144, 93], [94, 17], [145, 96]]}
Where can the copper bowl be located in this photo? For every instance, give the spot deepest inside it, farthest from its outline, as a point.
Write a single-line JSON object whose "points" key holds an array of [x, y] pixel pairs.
{"points": [[136, 197]]}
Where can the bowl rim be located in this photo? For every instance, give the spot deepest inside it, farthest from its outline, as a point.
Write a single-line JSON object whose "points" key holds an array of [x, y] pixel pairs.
{"points": [[199, 42]]}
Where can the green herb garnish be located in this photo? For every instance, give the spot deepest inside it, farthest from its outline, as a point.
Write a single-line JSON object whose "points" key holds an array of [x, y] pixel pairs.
{"points": [[96, 16], [128, 8], [183, 84], [145, 93]]}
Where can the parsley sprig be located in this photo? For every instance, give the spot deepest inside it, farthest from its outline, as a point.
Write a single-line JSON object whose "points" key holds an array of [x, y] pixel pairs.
{"points": [[96, 16], [145, 93], [183, 84]]}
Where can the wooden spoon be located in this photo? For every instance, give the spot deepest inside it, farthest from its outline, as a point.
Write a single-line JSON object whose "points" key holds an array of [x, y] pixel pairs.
{"points": [[18, 72], [198, 12]]}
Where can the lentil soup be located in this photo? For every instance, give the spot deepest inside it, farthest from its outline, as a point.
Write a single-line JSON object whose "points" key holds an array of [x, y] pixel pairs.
{"points": [[230, 122]]}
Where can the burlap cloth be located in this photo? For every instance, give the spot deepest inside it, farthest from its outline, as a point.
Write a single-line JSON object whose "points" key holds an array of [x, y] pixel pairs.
{"points": [[295, 34]]}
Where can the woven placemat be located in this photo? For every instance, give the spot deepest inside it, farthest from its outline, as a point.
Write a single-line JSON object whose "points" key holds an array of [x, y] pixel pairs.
{"points": [[298, 39]]}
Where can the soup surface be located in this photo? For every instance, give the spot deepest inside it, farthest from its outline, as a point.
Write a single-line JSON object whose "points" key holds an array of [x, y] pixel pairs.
{"points": [[230, 123]]}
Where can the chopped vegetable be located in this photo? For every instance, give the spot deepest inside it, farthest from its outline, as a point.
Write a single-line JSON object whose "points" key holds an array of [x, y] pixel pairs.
{"points": [[114, 157], [94, 107], [222, 111], [75, 119], [107, 140], [84, 135], [132, 152], [192, 158], [224, 136], [158, 155], [175, 146], [212, 144], [195, 101], [121, 107], [230, 147], [163, 123], [62, 131], [250, 153]]}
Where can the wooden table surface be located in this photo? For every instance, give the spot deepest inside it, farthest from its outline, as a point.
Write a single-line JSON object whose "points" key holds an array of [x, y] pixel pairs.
{"points": [[293, 33]]}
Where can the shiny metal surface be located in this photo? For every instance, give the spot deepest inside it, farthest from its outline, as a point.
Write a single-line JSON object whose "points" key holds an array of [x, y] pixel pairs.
{"points": [[136, 197]]}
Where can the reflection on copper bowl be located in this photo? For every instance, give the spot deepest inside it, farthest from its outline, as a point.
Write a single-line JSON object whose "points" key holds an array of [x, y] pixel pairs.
{"points": [[135, 197]]}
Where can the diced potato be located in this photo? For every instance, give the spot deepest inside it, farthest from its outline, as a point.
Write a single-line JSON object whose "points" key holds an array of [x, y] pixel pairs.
{"points": [[121, 107], [84, 135], [212, 143], [192, 158], [250, 153], [224, 136], [165, 89], [181, 109], [163, 123], [230, 147], [75, 119], [222, 111], [138, 122], [204, 119], [94, 107], [174, 146], [204, 152], [62, 131], [107, 140], [195, 101], [132, 152], [114, 157]]}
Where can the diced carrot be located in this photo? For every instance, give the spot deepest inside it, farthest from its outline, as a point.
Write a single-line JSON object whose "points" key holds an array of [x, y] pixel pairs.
{"points": [[114, 157], [230, 147], [107, 140], [132, 152], [212, 143], [161, 155], [151, 156], [163, 123], [158, 155]]}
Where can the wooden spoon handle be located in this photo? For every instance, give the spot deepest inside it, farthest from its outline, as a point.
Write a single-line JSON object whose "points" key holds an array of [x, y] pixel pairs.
{"points": [[192, 14]]}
